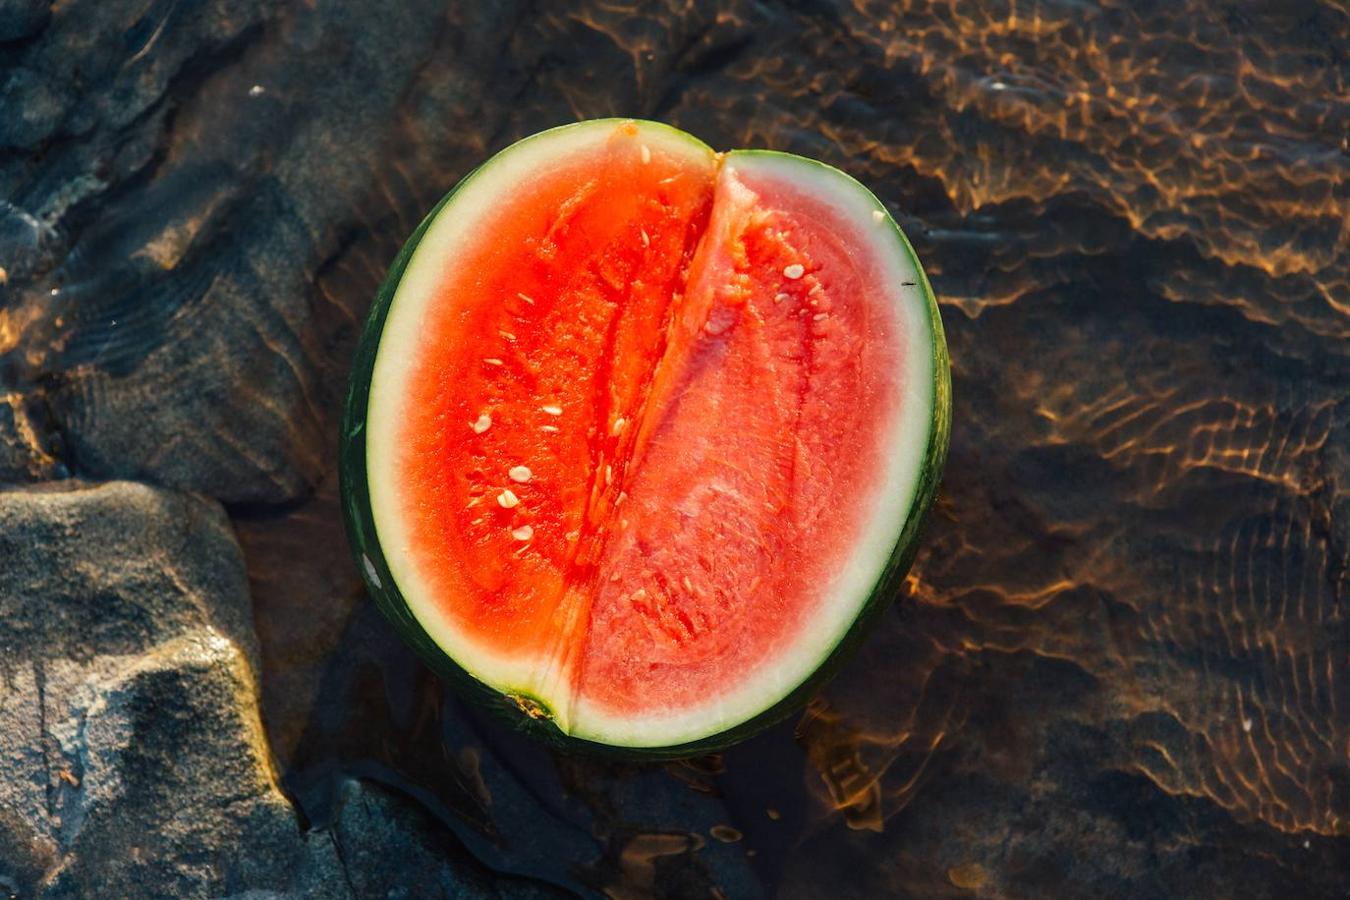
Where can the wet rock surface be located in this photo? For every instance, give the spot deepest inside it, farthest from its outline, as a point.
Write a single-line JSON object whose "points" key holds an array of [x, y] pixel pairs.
{"points": [[134, 757], [1121, 666]]}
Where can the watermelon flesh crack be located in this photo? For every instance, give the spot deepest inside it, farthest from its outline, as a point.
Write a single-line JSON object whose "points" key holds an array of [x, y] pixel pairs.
{"points": [[640, 422]]}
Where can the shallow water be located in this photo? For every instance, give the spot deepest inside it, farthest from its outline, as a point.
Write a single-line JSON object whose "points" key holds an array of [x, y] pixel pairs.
{"points": [[1121, 666]]}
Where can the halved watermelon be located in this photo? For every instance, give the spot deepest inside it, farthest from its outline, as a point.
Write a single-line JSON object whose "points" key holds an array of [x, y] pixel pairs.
{"points": [[641, 435]]}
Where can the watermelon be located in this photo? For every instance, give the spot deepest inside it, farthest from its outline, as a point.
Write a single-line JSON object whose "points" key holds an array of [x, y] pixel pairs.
{"points": [[640, 436]]}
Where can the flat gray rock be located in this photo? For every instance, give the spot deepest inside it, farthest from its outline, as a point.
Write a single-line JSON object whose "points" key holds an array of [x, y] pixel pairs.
{"points": [[134, 758]]}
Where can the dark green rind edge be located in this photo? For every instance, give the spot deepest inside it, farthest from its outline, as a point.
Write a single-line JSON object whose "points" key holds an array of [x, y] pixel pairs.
{"points": [[360, 525]]}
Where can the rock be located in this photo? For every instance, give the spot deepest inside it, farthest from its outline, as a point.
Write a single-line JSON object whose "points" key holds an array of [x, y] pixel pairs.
{"points": [[185, 337], [386, 847], [135, 762], [21, 18], [26, 451], [39, 109], [27, 245]]}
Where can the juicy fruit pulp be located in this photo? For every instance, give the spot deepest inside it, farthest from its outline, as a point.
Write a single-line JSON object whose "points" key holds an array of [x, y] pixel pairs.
{"points": [[633, 427]]}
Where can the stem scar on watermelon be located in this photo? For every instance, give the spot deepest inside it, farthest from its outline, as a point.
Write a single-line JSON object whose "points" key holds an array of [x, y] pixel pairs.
{"points": [[640, 436]]}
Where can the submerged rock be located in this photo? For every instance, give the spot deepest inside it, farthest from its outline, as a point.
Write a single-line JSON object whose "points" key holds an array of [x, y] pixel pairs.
{"points": [[385, 846], [27, 451], [21, 18]]}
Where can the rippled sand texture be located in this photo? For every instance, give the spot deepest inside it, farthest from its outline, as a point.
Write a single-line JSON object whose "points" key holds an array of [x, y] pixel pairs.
{"points": [[1121, 666]]}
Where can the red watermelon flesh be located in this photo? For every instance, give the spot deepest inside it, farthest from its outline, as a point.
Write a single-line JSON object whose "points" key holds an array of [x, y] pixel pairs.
{"points": [[638, 421]]}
